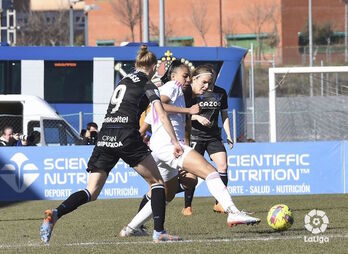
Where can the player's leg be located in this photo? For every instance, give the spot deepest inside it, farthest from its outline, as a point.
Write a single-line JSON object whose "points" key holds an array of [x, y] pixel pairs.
{"points": [[200, 147], [95, 184], [196, 164], [187, 183], [149, 171], [100, 159], [134, 228], [217, 153]]}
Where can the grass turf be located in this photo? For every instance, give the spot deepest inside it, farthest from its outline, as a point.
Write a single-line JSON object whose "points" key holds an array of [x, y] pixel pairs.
{"points": [[94, 227]]}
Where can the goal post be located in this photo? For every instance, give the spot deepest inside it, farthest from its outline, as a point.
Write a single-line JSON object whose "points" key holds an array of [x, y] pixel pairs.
{"points": [[273, 87]]}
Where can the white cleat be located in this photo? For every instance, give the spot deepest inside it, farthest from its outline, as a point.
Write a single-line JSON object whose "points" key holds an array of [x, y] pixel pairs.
{"points": [[128, 231], [241, 217]]}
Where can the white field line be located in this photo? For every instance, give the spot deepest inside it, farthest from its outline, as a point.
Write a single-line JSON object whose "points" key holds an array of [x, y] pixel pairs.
{"points": [[262, 239]]}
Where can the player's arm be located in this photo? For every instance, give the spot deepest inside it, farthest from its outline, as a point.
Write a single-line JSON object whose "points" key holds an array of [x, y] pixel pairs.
{"points": [[201, 119], [153, 95], [226, 124], [194, 109], [162, 115], [145, 127], [225, 119], [188, 126]]}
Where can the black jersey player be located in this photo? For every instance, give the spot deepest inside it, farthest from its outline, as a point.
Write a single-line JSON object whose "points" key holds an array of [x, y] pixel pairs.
{"points": [[206, 135], [119, 138]]}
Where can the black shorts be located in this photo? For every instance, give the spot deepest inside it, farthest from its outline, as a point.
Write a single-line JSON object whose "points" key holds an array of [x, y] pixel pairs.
{"points": [[114, 144], [211, 146]]}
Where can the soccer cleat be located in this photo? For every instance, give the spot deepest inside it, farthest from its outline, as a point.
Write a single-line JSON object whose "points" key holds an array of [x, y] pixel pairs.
{"points": [[241, 218], [127, 231], [46, 228], [165, 237], [218, 208], [187, 211]]}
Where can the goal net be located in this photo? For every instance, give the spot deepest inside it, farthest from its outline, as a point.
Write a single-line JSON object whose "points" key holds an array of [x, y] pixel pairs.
{"points": [[308, 103]]}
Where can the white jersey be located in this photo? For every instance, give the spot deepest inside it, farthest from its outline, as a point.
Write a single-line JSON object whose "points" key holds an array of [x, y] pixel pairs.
{"points": [[173, 91], [160, 142]]}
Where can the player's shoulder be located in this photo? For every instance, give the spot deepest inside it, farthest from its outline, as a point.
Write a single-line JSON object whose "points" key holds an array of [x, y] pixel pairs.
{"points": [[218, 89], [172, 83], [135, 77]]}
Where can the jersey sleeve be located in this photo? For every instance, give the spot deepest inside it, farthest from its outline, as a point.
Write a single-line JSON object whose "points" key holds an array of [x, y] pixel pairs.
{"points": [[152, 92], [168, 90], [224, 104]]}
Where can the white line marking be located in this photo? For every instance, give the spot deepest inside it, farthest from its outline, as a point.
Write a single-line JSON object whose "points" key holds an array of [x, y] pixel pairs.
{"points": [[271, 238]]}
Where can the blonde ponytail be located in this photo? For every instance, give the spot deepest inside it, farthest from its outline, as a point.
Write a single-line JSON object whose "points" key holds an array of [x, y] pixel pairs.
{"points": [[145, 58]]}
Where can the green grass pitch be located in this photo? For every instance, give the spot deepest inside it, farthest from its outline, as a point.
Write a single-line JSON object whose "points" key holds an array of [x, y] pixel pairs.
{"points": [[94, 228]]}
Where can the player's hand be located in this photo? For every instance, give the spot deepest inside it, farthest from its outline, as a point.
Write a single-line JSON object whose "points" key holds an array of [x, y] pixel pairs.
{"points": [[230, 143], [203, 121], [194, 109], [178, 150]]}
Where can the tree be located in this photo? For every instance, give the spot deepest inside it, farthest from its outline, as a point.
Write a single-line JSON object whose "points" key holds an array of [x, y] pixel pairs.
{"points": [[128, 12], [256, 16], [322, 35], [199, 20], [154, 29], [228, 28], [44, 28]]}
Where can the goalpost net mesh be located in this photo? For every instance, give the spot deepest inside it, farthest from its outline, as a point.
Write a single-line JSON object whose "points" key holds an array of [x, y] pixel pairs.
{"points": [[306, 112]]}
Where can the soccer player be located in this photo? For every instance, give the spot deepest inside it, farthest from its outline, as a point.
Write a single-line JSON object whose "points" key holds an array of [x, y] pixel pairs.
{"points": [[191, 161], [206, 136], [120, 138]]}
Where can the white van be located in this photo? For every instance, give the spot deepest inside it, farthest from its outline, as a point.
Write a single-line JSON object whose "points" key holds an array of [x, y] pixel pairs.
{"points": [[27, 113]]}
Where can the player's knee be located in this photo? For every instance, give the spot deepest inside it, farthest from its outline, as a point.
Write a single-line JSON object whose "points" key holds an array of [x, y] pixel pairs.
{"points": [[222, 169], [170, 197], [189, 183]]}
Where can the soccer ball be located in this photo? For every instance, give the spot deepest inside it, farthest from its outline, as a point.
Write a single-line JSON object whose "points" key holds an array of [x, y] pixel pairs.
{"points": [[280, 217]]}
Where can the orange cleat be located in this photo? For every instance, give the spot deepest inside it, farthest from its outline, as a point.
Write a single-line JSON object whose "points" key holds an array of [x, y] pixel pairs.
{"points": [[187, 211], [218, 208], [50, 218]]}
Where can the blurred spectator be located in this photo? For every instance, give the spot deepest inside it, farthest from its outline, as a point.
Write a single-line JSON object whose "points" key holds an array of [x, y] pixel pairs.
{"points": [[83, 133], [6, 136], [33, 139], [91, 135]]}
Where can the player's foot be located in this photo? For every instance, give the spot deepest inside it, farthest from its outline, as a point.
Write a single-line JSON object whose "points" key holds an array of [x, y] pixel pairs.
{"points": [[165, 237], [128, 231], [241, 218], [187, 211], [46, 228], [218, 208]]}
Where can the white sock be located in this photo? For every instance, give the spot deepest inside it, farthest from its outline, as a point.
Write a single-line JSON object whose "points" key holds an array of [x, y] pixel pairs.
{"points": [[142, 216], [220, 192]]}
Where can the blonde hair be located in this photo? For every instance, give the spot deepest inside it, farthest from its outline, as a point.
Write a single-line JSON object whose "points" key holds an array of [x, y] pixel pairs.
{"points": [[202, 70], [145, 58]]}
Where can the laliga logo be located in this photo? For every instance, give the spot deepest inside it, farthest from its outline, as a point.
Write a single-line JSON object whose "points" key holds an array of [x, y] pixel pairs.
{"points": [[316, 221], [20, 174]]}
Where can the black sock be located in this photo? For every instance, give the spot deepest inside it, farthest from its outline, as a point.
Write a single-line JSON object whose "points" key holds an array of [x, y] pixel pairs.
{"points": [[179, 188], [143, 202], [158, 205], [189, 197], [224, 179], [73, 201]]}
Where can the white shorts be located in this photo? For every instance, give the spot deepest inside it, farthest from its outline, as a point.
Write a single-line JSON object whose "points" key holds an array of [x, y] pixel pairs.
{"points": [[166, 162]]}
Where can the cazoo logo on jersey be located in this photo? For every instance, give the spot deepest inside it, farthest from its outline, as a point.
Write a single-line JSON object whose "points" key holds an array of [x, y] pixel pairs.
{"points": [[19, 174]]}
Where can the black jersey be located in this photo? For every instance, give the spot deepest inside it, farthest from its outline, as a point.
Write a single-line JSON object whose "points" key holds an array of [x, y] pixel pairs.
{"points": [[210, 103], [130, 98]]}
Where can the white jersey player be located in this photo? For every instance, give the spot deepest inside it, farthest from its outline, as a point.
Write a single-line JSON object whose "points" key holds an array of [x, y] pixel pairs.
{"points": [[191, 161]]}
